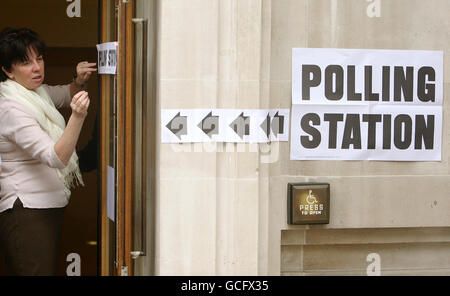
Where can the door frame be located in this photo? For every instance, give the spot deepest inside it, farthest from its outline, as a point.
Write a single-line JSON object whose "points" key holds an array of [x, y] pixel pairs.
{"points": [[124, 139]]}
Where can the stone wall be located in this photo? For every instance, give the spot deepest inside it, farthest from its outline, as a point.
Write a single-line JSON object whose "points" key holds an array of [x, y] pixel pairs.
{"points": [[224, 213]]}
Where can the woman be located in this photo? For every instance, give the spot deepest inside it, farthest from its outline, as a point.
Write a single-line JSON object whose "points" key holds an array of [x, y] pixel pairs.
{"points": [[40, 165]]}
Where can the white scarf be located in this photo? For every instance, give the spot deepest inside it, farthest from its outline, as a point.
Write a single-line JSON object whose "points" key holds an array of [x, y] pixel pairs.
{"points": [[50, 120]]}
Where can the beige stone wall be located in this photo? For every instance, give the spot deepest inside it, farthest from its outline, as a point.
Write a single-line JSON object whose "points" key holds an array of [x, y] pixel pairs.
{"points": [[208, 202], [224, 213], [368, 195], [401, 251]]}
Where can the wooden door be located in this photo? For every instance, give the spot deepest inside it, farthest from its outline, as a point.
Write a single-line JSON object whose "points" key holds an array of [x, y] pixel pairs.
{"points": [[117, 140]]}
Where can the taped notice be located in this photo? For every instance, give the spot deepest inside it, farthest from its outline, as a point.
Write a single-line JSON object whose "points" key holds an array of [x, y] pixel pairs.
{"points": [[107, 58], [110, 201]]}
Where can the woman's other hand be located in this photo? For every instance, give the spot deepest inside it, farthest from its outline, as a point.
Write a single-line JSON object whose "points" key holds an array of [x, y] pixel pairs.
{"points": [[80, 104]]}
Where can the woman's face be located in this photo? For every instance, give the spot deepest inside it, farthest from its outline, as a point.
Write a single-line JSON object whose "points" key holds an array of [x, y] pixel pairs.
{"points": [[29, 74]]}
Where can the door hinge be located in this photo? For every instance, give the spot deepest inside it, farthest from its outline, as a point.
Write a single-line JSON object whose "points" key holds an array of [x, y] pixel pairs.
{"points": [[124, 271]]}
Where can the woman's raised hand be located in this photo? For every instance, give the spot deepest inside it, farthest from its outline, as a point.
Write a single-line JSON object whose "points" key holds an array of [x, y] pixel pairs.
{"points": [[80, 104], [84, 71]]}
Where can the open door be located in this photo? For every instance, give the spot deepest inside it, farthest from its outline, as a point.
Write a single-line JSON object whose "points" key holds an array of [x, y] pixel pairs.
{"points": [[69, 40], [117, 141]]}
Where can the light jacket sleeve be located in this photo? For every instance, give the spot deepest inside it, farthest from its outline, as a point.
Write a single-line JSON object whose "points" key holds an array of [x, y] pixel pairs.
{"points": [[21, 128], [60, 95]]}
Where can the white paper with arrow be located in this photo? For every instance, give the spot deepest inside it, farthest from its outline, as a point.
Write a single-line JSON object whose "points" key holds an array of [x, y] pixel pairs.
{"points": [[224, 125]]}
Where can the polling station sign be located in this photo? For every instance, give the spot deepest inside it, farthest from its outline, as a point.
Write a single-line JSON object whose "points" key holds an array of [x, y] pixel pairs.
{"points": [[107, 58], [356, 104]]}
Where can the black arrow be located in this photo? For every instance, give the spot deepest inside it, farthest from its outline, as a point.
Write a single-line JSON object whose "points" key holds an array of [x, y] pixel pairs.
{"points": [[178, 125], [210, 125], [241, 125], [278, 124], [265, 125]]}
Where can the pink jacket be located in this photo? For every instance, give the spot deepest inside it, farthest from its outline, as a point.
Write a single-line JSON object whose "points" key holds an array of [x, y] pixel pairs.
{"points": [[29, 160]]}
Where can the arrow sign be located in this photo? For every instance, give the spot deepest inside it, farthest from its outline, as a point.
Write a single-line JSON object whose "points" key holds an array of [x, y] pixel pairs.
{"points": [[224, 125], [241, 125], [278, 124], [178, 125], [210, 125], [265, 125]]}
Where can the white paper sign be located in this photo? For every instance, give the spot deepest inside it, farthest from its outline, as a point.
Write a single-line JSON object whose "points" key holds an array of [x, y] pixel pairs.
{"points": [[366, 105], [224, 125], [107, 58], [110, 200]]}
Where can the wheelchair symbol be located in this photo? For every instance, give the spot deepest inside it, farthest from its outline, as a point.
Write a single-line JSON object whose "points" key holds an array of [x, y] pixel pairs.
{"points": [[311, 199]]}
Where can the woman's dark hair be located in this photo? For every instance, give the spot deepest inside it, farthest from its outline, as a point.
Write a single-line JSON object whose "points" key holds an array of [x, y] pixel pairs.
{"points": [[15, 45]]}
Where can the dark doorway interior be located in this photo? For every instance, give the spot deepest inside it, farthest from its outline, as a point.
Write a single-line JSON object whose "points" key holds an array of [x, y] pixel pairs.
{"points": [[69, 40]]}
